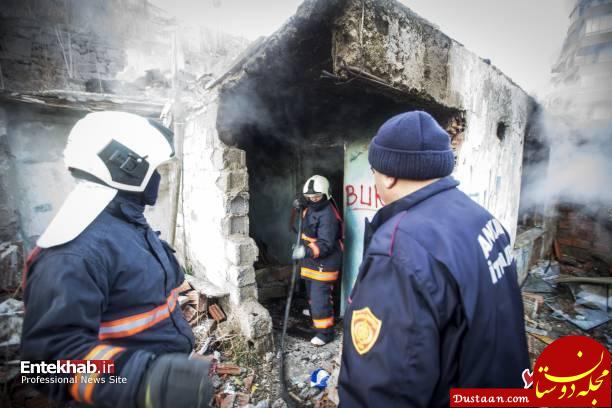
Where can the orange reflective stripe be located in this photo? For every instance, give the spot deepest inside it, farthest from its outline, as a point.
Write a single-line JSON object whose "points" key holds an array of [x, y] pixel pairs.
{"points": [[308, 239], [319, 275], [128, 326], [315, 250], [323, 323], [83, 387]]}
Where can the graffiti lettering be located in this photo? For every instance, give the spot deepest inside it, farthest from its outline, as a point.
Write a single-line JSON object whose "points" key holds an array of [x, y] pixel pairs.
{"points": [[369, 203], [367, 199], [351, 197]]}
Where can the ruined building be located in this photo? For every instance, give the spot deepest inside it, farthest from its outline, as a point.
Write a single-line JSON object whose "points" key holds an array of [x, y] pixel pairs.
{"points": [[582, 78], [305, 100]]}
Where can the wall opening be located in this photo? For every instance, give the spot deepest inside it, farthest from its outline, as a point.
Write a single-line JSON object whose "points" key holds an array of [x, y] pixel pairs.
{"points": [[294, 118], [501, 131], [298, 130]]}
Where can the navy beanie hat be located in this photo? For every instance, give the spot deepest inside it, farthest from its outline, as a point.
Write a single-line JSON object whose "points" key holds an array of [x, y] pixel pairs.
{"points": [[412, 146]]}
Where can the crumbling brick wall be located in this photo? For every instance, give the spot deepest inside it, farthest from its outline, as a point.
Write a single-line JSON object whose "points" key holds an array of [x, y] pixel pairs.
{"points": [[584, 236], [213, 224], [55, 44]]}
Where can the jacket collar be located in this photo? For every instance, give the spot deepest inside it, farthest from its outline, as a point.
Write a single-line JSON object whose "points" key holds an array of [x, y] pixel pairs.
{"points": [[127, 210], [405, 203]]}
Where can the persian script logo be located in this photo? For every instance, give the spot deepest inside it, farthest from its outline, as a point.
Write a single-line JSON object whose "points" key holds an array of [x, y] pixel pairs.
{"points": [[572, 371]]}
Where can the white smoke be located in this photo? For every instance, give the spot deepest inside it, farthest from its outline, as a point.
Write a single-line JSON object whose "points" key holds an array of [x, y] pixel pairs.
{"points": [[579, 166]]}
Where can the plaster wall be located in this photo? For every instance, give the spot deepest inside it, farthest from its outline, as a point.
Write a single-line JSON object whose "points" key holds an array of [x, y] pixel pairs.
{"points": [[36, 180], [214, 224]]}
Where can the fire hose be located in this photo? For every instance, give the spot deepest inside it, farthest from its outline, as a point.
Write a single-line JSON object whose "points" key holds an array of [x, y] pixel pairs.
{"points": [[298, 206]]}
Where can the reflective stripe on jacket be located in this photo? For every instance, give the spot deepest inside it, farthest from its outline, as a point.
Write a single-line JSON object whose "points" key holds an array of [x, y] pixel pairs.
{"points": [[109, 293], [321, 235]]}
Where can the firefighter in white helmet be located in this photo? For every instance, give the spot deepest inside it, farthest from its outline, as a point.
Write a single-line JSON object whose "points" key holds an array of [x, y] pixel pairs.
{"points": [[101, 285], [320, 255]]}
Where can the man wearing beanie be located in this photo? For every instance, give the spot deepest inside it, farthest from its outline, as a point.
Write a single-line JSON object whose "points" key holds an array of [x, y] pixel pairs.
{"points": [[436, 304]]}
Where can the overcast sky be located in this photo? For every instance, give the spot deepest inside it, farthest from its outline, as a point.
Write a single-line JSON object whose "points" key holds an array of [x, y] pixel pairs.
{"points": [[521, 37]]}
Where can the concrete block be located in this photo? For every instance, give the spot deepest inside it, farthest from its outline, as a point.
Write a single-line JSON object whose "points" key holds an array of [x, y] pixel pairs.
{"points": [[203, 286], [235, 159], [233, 181], [254, 320], [241, 250], [239, 181], [235, 225], [240, 225], [239, 205], [241, 275], [239, 295]]}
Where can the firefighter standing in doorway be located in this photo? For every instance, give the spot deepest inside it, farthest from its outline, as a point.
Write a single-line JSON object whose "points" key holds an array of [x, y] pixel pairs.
{"points": [[320, 255], [101, 285]]}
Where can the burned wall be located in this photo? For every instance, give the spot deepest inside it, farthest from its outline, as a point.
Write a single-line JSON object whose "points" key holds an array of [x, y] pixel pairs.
{"points": [[9, 220], [584, 237], [387, 43], [60, 59], [61, 44], [278, 172], [126, 47]]}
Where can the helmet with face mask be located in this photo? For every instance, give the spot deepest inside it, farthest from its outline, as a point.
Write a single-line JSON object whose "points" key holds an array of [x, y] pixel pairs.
{"points": [[317, 185], [107, 152]]}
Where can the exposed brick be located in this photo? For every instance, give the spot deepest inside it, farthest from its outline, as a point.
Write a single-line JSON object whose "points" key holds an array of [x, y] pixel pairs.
{"points": [[216, 313]]}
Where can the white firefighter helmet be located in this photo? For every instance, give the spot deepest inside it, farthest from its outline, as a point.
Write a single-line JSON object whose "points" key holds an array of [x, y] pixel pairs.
{"points": [[317, 185], [106, 152]]}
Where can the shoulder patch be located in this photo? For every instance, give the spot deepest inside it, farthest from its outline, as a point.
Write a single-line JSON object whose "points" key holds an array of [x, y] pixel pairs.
{"points": [[365, 328]]}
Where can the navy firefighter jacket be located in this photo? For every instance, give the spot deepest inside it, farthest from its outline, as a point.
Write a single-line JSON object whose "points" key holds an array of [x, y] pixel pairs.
{"points": [[436, 305], [321, 235], [110, 294]]}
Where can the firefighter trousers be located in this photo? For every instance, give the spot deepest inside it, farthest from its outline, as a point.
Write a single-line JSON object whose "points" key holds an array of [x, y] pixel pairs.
{"points": [[320, 299]]}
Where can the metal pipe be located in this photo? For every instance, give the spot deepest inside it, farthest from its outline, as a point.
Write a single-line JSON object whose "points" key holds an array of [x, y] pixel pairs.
{"points": [[287, 309]]}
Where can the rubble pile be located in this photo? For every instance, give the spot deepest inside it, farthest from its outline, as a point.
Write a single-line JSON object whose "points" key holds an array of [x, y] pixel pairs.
{"points": [[241, 376], [562, 299]]}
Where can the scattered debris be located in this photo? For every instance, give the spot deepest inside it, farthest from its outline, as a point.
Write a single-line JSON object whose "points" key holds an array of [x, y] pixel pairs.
{"points": [[216, 313], [228, 369], [190, 314], [11, 265], [560, 299], [319, 378], [11, 321]]}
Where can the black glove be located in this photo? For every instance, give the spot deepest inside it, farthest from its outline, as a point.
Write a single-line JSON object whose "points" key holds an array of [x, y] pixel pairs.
{"points": [[173, 380], [299, 202]]}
